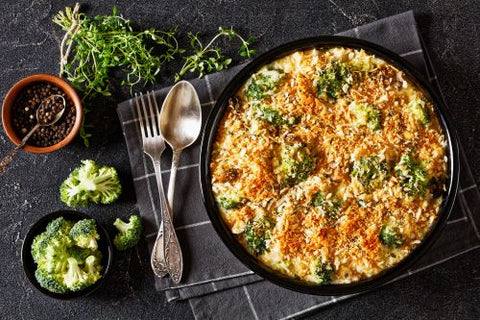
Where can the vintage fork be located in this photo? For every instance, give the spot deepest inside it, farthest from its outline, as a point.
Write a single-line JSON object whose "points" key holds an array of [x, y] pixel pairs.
{"points": [[153, 146]]}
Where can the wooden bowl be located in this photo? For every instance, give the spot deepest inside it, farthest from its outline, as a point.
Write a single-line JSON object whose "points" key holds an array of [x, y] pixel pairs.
{"points": [[18, 88]]}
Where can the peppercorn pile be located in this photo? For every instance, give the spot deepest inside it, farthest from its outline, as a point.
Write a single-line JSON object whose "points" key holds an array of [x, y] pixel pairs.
{"points": [[24, 114]]}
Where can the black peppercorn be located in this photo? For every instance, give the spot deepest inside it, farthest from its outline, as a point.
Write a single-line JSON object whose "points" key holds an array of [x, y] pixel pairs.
{"points": [[24, 114]]}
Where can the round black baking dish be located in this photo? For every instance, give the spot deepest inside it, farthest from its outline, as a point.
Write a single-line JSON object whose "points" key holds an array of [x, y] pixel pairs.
{"points": [[216, 116]]}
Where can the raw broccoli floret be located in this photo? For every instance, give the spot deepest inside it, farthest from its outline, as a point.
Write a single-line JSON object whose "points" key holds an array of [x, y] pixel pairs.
{"points": [[274, 117], [54, 259], [263, 84], [76, 279], [56, 236], [321, 271], [38, 245], [334, 80], [51, 282], [90, 183], [297, 164], [84, 234], [390, 237], [370, 171], [229, 203], [420, 111], [256, 234], [80, 254], [414, 178], [367, 115], [329, 207], [92, 266], [128, 233]]}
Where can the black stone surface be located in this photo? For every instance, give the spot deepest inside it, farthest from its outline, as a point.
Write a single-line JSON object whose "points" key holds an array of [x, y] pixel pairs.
{"points": [[29, 44]]}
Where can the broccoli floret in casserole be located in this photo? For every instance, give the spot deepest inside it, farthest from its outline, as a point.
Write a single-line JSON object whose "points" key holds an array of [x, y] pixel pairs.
{"points": [[330, 207], [334, 80], [391, 237], [419, 110], [256, 234], [263, 84], [128, 233], [367, 115], [297, 164], [371, 172], [274, 117], [84, 234], [90, 183], [322, 272], [415, 179], [229, 203]]}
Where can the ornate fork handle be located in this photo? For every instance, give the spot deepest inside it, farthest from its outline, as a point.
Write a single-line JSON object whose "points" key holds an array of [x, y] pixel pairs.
{"points": [[172, 253]]}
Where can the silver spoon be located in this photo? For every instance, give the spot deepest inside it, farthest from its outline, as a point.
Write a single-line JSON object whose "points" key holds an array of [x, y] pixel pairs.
{"points": [[42, 121], [180, 125]]}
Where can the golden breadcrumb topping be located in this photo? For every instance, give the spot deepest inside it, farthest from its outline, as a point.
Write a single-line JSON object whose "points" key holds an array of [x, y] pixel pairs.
{"points": [[329, 165]]}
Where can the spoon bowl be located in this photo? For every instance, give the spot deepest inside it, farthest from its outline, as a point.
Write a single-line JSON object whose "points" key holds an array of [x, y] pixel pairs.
{"points": [[42, 114], [181, 116]]}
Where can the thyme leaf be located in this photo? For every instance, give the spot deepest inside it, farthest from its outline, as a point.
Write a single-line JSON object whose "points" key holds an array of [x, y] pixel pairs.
{"points": [[207, 58]]}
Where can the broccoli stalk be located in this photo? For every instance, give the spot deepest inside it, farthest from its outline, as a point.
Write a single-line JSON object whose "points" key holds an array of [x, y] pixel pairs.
{"points": [[90, 183], [129, 233], [84, 234], [92, 266], [76, 279]]}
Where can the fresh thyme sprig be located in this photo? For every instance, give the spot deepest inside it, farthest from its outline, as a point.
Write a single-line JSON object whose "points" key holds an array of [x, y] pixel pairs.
{"points": [[106, 43], [208, 58], [95, 47]]}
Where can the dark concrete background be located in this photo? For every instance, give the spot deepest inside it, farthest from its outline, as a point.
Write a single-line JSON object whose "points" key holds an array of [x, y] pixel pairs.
{"points": [[29, 44]]}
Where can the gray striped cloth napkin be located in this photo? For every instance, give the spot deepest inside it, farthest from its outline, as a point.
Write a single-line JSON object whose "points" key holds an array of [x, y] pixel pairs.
{"points": [[210, 269]]}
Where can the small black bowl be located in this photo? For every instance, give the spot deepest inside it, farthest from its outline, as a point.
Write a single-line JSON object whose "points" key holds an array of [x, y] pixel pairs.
{"points": [[29, 265]]}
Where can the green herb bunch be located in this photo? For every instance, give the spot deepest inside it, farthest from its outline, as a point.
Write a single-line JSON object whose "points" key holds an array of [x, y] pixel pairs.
{"points": [[208, 58], [108, 42], [95, 47]]}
